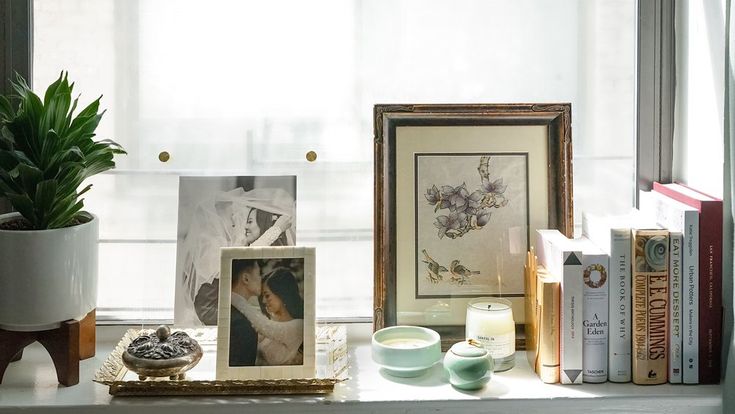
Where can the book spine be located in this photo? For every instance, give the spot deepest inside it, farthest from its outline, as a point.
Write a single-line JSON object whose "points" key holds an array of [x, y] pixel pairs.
{"points": [[710, 292], [531, 307], [675, 333], [650, 306], [571, 318], [690, 300], [548, 348], [595, 311], [619, 357]]}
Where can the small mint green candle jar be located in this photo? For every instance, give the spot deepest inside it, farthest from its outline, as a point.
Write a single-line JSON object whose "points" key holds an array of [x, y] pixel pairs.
{"points": [[469, 365], [406, 351]]}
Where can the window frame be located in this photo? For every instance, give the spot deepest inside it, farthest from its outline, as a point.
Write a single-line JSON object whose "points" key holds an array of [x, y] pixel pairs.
{"points": [[656, 87], [655, 90], [16, 43]]}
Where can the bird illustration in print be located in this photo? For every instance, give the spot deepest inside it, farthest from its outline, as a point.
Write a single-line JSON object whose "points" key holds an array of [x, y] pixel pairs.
{"points": [[435, 270], [460, 274]]}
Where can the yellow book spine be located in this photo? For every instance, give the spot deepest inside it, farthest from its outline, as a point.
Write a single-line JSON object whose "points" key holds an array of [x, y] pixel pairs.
{"points": [[547, 365], [650, 306]]}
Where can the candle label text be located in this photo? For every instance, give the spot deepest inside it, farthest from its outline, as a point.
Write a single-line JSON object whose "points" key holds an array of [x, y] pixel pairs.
{"points": [[499, 346]]}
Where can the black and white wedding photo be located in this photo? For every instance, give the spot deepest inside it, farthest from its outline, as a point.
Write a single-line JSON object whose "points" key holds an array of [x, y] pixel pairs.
{"points": [[231, 211]]}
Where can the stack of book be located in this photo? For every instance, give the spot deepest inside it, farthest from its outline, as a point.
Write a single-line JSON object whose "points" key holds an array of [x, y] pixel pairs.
{"points": [[701, 290], [636, 298]]}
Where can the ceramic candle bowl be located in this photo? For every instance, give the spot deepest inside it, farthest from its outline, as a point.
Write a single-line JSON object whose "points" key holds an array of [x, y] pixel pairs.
{"points": [[406, 351]]}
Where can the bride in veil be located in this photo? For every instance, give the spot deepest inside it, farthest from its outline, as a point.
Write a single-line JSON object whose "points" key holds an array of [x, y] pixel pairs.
{"points": [[259, 217]]}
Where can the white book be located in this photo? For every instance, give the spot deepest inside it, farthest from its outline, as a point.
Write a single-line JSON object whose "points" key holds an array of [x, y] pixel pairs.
{"points": [[679, 217], [559, 257], [675, 333], [612, 235], [595, 264]]}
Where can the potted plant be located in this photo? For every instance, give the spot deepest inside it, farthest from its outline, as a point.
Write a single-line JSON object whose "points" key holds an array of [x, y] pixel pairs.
{"points": [[48, 247]]}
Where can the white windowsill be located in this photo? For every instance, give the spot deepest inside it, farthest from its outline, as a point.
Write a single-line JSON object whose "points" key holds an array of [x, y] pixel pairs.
{"points": [[31, 385]]}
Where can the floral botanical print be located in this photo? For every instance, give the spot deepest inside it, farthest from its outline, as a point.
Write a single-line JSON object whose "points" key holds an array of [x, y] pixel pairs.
{"points": [[471, 219], [467, 211], [435, 272]]}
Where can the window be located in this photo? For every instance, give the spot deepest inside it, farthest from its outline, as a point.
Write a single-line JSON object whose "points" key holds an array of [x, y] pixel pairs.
{"points": [[230, 87]]}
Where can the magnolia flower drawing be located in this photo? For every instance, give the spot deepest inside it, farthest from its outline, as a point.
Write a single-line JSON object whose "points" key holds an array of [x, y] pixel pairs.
{"points": [[466, 211]]}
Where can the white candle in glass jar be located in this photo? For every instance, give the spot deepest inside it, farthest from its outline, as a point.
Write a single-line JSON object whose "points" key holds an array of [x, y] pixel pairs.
{"points": [[490, 322]]}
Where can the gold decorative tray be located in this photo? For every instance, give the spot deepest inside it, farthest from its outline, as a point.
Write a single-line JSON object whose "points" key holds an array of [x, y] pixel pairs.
{"points": [[332, 362]]}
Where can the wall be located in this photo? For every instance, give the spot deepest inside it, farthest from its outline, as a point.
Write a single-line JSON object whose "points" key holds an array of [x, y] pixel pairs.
{"points": [[699, 118]]}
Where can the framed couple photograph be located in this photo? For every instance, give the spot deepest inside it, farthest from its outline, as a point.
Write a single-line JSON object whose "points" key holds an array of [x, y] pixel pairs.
{"points": [[459, 190], [266, 324]]}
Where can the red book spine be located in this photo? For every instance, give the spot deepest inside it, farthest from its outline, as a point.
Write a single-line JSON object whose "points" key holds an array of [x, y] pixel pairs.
{"points": [[710, 281]]}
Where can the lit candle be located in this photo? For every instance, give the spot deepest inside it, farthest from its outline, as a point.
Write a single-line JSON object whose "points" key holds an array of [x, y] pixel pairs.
{"points": [[490, 322]]}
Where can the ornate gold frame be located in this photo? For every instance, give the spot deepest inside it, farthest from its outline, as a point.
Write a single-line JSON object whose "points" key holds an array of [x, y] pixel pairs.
{"points": [[556, 117]]}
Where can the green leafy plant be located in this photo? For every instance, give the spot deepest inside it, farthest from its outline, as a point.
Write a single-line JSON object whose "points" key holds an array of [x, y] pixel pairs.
{"points": [[46, 152]]}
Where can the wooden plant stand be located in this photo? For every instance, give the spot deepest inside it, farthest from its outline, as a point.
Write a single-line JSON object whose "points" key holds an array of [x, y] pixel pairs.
{"points": [[67, 345], [88, 335]]}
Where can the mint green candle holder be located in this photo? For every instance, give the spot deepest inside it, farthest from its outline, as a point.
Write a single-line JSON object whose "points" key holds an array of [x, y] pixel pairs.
{"points": [[406, 351]]}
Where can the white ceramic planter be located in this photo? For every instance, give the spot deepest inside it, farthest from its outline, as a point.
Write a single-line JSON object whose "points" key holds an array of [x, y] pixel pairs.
{"points": [[47, 276]]}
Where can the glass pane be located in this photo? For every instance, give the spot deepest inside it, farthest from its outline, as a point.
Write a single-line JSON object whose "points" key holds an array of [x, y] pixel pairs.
{"points": [[230, 87]]}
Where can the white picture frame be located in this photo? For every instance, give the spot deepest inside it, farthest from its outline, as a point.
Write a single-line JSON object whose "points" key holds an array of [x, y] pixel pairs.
{"points": [[265, 369]]}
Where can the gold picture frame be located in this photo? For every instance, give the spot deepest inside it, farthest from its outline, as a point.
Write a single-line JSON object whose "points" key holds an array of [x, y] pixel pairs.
{"points": [[201, 379], [460, 189]]}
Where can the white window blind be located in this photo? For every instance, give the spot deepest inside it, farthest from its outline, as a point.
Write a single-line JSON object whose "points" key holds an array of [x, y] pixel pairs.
{"points": [[248, 87]]}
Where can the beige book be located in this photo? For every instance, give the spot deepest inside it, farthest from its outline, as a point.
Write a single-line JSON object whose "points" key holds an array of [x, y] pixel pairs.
{"points": [[547, 314], [542, 327], [650, 306]]}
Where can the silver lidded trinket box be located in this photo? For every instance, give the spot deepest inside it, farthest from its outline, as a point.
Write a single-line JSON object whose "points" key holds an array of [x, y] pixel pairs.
{"points": [[162, 354]]}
